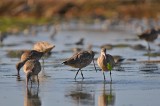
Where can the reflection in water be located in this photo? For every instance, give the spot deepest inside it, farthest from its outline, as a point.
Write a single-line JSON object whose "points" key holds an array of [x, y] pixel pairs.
{"points": [[106, 98], [149, 67], [31, 97], [80, 95]]}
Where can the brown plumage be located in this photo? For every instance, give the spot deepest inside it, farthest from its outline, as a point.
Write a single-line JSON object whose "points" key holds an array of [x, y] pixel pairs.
{"points": [[32, 68], [43, 46], [80, 60], [28, 54], [104, 59], [149, 36]]}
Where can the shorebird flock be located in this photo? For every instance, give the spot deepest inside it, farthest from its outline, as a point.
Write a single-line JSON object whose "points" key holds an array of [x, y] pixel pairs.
{"points": [[30, 60], [31, 65]]}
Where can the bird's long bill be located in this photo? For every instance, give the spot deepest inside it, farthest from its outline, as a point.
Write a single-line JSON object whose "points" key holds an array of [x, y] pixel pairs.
{"points": [[94, 65]]}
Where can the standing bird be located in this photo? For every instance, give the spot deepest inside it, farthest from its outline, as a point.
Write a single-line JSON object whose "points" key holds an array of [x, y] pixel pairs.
{"points": [[28, 54], [105, 62], [32, 68], [80, 60], [149, 36]]}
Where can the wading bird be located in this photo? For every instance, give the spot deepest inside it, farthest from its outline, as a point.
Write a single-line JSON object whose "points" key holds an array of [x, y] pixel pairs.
{"points": [[43, 46], [28, 54], [32, 68], [105, 62], [80, 60], [149, 36]]}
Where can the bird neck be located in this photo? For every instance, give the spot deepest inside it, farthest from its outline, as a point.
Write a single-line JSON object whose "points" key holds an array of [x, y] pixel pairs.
{"points": [[103, 54], [23, 62]]}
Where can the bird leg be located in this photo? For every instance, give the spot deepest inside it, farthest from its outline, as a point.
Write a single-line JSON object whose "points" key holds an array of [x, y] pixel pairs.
{"points": [[82, 74], [104, 75], [43, 62], [38, 80], [27, 82], [149, 50], [110, 76], [31, 82], [94, 65], [77, 73]]}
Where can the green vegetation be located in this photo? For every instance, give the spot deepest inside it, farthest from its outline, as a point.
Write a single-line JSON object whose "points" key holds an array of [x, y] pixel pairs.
{"points": [[17, 14], [14, 24]]}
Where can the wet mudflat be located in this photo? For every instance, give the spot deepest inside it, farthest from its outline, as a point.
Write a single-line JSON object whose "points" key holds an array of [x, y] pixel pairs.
{"points": [[135, 81]]}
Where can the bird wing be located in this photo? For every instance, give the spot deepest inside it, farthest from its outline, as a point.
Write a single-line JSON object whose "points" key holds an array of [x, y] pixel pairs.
{"points": [[110, 60], [79, 57], [29, 65], [37, 67]]}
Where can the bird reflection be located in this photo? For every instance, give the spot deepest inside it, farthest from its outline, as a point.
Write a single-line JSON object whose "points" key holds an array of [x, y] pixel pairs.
{"points": [[149, 67], [106, 98], [81, 96], [31, 97]]}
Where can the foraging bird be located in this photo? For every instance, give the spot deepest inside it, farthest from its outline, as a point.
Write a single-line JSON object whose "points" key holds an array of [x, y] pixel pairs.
{"points": [[43, 46], [28, 54], [149, 36], [32, 68], [80, 60], [105, 62]]}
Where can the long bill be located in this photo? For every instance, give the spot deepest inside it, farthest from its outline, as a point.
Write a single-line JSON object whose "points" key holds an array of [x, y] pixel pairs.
{"points": [[94, 65]]}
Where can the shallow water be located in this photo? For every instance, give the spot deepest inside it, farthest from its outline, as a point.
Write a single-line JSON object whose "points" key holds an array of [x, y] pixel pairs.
{"points": [[135, 82]]}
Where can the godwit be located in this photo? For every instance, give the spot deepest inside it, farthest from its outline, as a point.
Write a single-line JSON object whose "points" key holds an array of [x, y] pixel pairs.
{"points": [[80, 60], [32, 68], [149, 36], [28, 54], [43, 46], [105, 62]]}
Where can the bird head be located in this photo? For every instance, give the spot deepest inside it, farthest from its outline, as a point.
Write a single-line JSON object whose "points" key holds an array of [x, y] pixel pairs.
{"points": [[18, 67], [103, 50]]}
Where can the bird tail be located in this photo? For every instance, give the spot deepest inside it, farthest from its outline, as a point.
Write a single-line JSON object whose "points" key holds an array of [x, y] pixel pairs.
{"points": [[65, 62]]}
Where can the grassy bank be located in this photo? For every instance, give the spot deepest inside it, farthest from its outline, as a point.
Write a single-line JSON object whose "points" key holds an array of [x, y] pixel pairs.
{"points": [[18, 13], [15, 24]]}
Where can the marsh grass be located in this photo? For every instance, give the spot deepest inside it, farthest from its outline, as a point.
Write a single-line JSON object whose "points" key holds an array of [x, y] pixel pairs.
{"points": [[13, 24]]}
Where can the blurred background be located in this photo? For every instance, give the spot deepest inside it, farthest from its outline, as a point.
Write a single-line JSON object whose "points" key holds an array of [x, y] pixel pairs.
{"points": [[16, 15], [72, 26]]}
